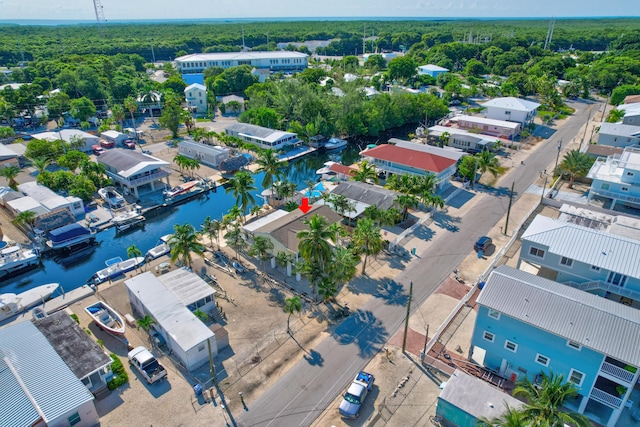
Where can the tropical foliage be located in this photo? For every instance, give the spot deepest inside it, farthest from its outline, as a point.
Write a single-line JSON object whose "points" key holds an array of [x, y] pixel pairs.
{"points": [[576, 164], [184, 242]]}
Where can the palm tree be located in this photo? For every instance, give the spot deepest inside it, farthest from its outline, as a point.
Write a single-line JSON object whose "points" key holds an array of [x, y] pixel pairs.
{"points": [[434, 201], [10, 173], [444, 138], [314, 247], [40, 163], [366, 240], [575, 164], [235, 239], [487, 161], [255, 210], [374, 213], [206, 228], [343, 266], [145, 323], [510, 418], [131, 104], [366, 172], [261, 248], [134, 252], [327, 288], [338, 231], [26, 218], [183, 241], [404, 183], [341, 204], [544, 402], [117, 112], [234, 214], [406, 202], [292, 305], [271, 166], [241, 185], [180, 161]]}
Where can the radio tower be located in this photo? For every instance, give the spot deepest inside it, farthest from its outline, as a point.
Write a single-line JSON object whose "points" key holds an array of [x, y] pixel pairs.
{"points": [[97, 6], [547, 42]]}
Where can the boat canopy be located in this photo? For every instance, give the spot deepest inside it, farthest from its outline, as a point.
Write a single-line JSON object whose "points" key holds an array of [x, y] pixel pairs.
{"points": [[68, 232]]}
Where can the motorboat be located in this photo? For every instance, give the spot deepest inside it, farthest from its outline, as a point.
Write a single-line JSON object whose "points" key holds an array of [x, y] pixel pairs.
{"points": [[127, 220], [69, 236], [170, 194], [326, 168], [15, 258], [112, 197], [13, 304], [335, 143], [161, 248], [106, 318], [116, 267]]}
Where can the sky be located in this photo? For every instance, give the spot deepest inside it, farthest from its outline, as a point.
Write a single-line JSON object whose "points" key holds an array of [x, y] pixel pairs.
{"points": [[118, 10]]}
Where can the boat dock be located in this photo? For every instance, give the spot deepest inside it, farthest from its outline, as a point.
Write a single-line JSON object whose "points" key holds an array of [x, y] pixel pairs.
{"points": [[296, 153]]}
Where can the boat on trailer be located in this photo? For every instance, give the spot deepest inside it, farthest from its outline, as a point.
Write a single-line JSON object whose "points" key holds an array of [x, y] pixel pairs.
{"points": [[106, 318]]}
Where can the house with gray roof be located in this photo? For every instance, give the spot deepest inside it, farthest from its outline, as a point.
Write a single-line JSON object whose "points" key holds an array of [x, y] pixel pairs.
{"points": [[70, 135], [631, 113], [618, 134], [594, 260], [511, 109], [527, 325], [37, 388], [362, 195], [134, 171], [616, 178], [262, 137]]}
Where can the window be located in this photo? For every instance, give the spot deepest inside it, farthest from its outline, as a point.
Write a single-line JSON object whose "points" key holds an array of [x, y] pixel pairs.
{"points": [[543, 360], [74, 419], [511, 346], [488, 336], [201, 347], [574, 345], [536, 252], [576, 377], [595, 268], [616, 279], [605, 186], [494, 314], [566, 261]]}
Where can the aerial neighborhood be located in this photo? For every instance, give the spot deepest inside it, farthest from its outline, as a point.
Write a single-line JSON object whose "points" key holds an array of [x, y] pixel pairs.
{"points": [[320, 223]]}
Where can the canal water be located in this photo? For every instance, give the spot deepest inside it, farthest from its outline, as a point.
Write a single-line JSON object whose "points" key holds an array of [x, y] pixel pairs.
{"points": [[73, 271]]}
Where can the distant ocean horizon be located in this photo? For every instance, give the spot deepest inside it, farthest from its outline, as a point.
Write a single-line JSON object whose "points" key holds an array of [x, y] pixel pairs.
{"points": [[55, 22]]}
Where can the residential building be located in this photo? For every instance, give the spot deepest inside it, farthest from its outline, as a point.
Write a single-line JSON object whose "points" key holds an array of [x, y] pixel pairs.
{"points": [[8, 157], [462, 139], [631, 113], [196, 63], [511, 109], [261, 73], [196, 97], [18, 205], [485, 126], [51, 201], [70, 135], [599, 260], [465, 400], [135, 171], [151, 102], [171, 299], [527, 325], [210, 155], [631, 99], [113, 137], [391, 159], [38, 388], [387, 56], [362, 195], [618, 134], [233, 104], [597, 150], [617, 177], [448, 152], [262, 137], [80, 352], [432, 70]]}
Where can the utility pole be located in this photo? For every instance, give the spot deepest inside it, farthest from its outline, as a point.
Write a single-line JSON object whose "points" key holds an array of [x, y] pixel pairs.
{"points": [[544, 186], [557, 157], [586, 125], [213, 368], [426, 341], [406, 320], [506, 225], [153, 53]]}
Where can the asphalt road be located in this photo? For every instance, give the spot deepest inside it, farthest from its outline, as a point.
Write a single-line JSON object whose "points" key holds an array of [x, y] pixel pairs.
{"points": [[301, 395]]}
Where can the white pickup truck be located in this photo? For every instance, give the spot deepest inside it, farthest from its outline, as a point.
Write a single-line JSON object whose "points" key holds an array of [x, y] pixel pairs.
{"points": [[356, 394], [147, 365]]}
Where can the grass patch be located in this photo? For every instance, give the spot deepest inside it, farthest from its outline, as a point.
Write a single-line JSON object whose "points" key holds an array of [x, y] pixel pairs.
{"points": [[120, 375], [202, 119], [75, 317]]}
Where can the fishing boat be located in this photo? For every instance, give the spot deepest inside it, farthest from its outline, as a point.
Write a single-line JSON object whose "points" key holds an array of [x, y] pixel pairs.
{"points": [[116, 267], [127, 220], [112, 197], [170, 194], [161, 248], [69, 236], [326, 168], [106, 318], [15, 258], [335, 144], [13, 304]]}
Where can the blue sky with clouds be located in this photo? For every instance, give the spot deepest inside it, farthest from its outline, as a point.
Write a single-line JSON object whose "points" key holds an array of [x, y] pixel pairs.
{"points": [[185, 9]]}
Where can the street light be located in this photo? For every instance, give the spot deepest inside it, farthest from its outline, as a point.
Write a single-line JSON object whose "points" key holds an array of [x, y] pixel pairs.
{"points": [[557, 157]]}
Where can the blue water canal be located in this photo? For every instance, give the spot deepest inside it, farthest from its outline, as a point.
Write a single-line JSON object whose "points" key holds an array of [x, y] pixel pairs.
{"points": [[73, 271]]}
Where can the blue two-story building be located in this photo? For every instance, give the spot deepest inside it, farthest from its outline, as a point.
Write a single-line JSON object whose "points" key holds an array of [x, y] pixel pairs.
{"points": [[594, 260], [527, 325], [617, 178]]}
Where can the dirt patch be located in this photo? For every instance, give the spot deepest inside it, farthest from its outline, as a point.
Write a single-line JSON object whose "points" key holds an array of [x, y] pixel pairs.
{"points": [[453, 288]]}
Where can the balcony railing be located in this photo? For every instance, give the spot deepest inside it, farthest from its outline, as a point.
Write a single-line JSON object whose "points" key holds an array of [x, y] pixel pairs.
{"points": [[614, 195], [606, 398], [599, 284], [617, 372], [139, 181]]}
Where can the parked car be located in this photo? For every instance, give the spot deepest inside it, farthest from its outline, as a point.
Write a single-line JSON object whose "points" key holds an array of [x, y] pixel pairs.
{"points": [[148, 366], [97, 150], [107, 144], [356, 394], [482, 244], [129, 143]]}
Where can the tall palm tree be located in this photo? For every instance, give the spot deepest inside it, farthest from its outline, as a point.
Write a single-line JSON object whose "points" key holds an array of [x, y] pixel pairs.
{"points": [[10, 173], [366, 240], [241, 185], [234, 214], [341, 204], [343, 266], [366, 172], [183, 242], [575, 164], [544, 402], [314, 247], [406, 202], [271, 166], [444, 138], [261, 248], [487, 161], [292, 305], [133, 252], [327, 288], [117, 112], [510, 418], [40, 163], [131, 105], [404, 183]]}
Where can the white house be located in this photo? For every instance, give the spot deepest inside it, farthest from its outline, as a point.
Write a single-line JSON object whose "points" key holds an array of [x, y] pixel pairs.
{"points": [[171, 299], [8, 157], [135, 171], [618, 134], [70, 135], [452, 153], [499, 128], [237, 105], [196, 96], [113, 137], [211, 155], [511, 109], [432, 70], [51, 200], [196, 63], [261, 136], [631, 113], [464, 140], [617, 178]]}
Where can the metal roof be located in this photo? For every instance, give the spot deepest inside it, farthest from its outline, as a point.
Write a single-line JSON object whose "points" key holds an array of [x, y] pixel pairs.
{"points": [[34, 380], [195, 86], [128, 162], [204, 148], [259, 132], [432, 67], [65, 134], [605, 250], [446, 151], [512, 103], [486, 121], [240, 56], [367, 193], [186, 286], [413, 158], [607, 327], [619, 129]]}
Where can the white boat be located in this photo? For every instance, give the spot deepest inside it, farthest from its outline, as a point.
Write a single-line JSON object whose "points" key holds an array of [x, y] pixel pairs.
{"points": [[15, 258], [335, 143], [106, 318], [13, 304], [69, 236], [127, 220], [111, 196], [326, 168], [117, 268], [161, 248], [169, 194]]}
